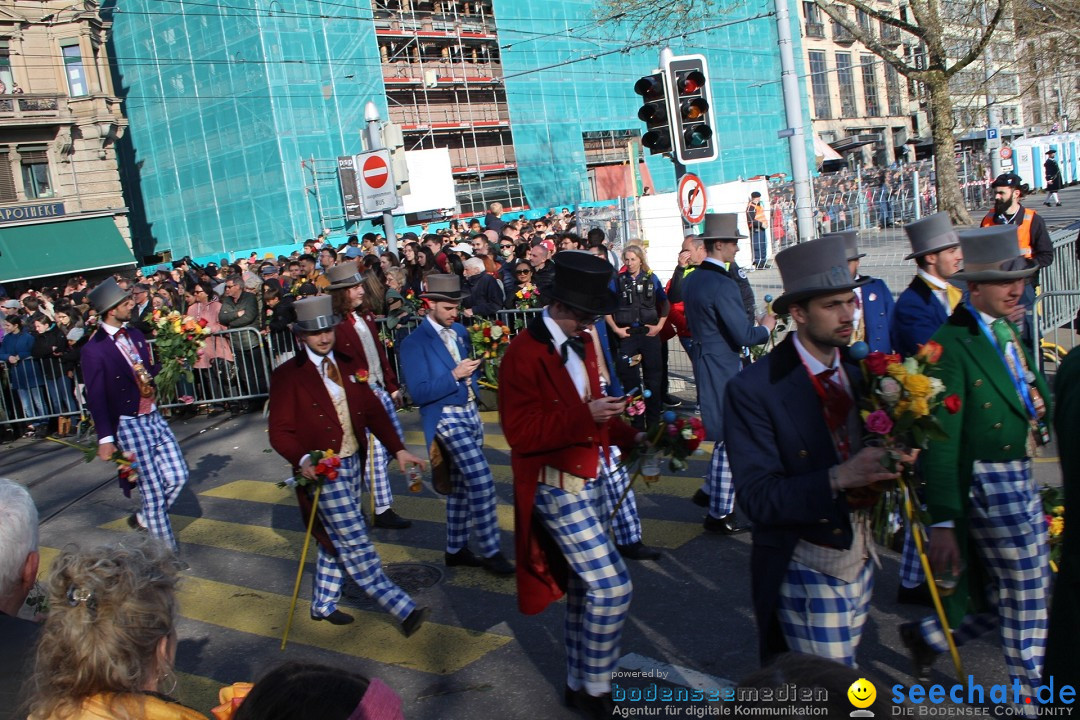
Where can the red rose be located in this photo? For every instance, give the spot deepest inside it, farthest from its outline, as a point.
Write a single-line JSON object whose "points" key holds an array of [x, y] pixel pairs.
{"points": [[203, 323], [877, 363], [487, 332], [952, 404]]}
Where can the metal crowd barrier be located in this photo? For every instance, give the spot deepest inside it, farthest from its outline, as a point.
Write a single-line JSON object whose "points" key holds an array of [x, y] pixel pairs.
{"points": [[47, 392]]}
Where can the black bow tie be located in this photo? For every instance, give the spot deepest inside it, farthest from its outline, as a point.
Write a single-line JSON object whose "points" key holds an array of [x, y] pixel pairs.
{"points": [[577, 343]]}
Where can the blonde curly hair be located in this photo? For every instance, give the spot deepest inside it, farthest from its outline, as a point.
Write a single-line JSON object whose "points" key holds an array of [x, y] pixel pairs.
{"points": [[110, 607]]}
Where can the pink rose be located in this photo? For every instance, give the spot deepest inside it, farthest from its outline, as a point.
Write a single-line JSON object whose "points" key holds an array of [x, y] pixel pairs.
{"points": [[879, 422]]}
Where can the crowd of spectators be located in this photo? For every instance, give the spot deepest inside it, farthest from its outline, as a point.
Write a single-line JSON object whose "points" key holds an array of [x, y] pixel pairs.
{"points": [[505, 264]]}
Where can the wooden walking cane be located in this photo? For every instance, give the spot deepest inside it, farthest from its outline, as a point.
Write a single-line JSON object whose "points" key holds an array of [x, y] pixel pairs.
{"points": [[916, 529], [303, 561]]}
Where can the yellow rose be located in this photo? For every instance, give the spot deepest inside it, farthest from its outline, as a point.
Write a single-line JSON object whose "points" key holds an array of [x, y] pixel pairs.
{"points": [[1057, 526], [919, 407], [1059, 510], [918, 385], [896, 370]]}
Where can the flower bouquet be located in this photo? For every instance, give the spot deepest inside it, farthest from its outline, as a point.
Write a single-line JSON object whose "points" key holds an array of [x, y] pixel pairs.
{"points": [[1053, 501], [527, 297], [489, 339], [674, 438], [127, 470], [326, 463], [177, 342]]}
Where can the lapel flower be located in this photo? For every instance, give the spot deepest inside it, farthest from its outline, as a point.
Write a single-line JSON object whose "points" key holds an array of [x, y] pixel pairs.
{"points": [[360, 376]]}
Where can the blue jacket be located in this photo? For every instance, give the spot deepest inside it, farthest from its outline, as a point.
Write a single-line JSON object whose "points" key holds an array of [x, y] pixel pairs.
{"points": [[916, 317], [25, 374], [716, 316], [780, 452], [426, 367], [615, 389], [877, 307]]}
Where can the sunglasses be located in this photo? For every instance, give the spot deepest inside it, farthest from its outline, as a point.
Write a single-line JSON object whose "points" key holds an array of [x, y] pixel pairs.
{"points": [[523, 272], [506, 247]]}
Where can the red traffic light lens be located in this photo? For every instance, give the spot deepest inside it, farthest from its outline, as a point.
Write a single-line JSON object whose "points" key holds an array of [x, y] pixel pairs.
{"points": [[691, 82]]}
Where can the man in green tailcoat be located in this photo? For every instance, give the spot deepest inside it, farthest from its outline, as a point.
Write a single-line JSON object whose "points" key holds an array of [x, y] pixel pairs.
{"points": [[987, 530], [1062, 660]]}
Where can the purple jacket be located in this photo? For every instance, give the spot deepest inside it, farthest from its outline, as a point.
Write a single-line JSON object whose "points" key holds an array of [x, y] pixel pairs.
{"points": [[111, 390]]}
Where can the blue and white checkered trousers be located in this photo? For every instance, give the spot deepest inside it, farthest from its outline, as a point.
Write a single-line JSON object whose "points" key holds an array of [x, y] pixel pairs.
{"points": [[1008, 528], [339, 510], [823, 615], [162, 472], [379, 457], [911, 572], [719, 484], [598, 590], [625, 526], [472, 501]]}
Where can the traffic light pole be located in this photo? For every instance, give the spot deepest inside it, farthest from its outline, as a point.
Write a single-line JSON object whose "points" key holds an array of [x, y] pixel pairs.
{"points": [[680, 170], [800, 170], [375, 142]]}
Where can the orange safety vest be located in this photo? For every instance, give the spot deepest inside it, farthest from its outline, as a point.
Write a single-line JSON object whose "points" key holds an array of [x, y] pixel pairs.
{"points": [[759, 212], [1023, 230]]}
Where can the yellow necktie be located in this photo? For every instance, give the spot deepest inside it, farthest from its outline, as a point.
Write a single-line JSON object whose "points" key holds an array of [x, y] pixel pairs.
{"points": [[955, 295]]}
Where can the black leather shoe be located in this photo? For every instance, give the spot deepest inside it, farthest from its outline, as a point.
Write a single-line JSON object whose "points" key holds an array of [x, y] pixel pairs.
{"points": [[638, 551], [599, 707], [723, 526], [497, 564], [134, 524], [335, 618], [391, 520], [922, 655], [670, 401], [462, 558], [918, 595], [701, 498], [416, 618]]}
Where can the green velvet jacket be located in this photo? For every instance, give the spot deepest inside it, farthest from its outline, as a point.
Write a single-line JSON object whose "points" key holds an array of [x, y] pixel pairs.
{"points": [[991, 426]]}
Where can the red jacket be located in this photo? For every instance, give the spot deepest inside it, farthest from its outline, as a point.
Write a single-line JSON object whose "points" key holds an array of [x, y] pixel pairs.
{"points": [[348, 343], [546, 422], [303, 419]]}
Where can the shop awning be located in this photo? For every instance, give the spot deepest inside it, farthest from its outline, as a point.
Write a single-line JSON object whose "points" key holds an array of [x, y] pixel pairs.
{"points": [[824, 152], [61, 248]]}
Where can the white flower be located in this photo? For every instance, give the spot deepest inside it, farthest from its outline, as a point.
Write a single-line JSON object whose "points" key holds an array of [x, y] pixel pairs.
{"points": [[936, 387], [911, 365], [889, 390], [496, 332], [687, 432], [290, 482]]}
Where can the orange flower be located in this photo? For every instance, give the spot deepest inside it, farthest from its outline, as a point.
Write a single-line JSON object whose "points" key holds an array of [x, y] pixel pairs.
{"points": [[930, 352]]}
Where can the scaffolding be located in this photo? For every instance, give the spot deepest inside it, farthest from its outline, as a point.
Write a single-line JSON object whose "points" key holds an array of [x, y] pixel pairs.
{"points": [[443, 77]]}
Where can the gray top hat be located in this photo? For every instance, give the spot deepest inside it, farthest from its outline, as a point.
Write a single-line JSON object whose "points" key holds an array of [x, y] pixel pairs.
{"points": [[343, 276], [107, 295], [721, 226], [314, 313], [818, 267], [443, 287], [851, 242], [931, 234], [993, 253]]}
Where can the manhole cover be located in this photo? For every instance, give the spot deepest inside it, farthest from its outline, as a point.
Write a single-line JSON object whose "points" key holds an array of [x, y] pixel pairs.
{"points": [[410, 577]]}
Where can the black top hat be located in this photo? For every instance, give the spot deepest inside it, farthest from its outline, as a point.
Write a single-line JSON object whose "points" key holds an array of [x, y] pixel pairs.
{"points": [[809, 269], [443, 287], [343, 276], [993, 253], [1009, 180], [721, 226], [581, 282], [314, 313], [851, 243], [107, 295], [1051, 151], [931, 234]]}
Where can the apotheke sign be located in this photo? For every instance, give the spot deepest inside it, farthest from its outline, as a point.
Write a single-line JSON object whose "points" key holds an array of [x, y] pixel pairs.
{"points": [[31, 212]]}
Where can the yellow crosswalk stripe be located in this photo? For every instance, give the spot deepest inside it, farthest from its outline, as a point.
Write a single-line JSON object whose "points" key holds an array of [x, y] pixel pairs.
{"points": [[495, 441], [669, 534], [198, 692], [436, 648], [286, 544]]}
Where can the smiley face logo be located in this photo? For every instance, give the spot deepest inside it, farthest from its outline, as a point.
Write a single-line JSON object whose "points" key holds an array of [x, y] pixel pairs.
{"points": [[862, 693]]}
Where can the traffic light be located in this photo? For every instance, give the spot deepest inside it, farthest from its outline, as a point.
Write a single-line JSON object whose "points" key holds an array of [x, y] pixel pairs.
{"points": [[654, 113], [691, 108]]}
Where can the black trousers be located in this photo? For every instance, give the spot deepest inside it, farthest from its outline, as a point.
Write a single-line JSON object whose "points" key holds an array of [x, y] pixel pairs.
{"points": [[651, 370]]}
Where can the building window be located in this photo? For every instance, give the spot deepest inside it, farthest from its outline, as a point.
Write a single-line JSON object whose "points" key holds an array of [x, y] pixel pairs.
{"points": [[35, 173], [819, 83], [869, 84], [76, 73], [815, 28], [7, 80], [846, 79], [892, 89], [8, 193]]}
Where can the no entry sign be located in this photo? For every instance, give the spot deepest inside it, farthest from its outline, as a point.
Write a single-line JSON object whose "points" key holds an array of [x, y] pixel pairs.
{"points": [[375, 183]]}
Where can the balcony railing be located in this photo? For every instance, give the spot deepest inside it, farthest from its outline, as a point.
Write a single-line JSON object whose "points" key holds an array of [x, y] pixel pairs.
{"points": [[841, 34], [32, 107], [815, 30], [890, 35]]}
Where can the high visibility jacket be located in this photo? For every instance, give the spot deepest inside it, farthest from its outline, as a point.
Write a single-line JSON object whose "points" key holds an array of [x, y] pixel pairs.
{"points": [[1023, 230], [755, 213]]}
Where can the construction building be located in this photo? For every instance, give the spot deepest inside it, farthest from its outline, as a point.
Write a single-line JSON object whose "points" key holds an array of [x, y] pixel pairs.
{"points": [[62, 208], [239, 109]]}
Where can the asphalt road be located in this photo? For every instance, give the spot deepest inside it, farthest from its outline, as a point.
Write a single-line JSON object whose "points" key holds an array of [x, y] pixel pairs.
{"points": [[691, 616]]}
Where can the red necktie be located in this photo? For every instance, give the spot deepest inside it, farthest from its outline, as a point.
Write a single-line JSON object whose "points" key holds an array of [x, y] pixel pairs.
{"points": [[837, 404]]}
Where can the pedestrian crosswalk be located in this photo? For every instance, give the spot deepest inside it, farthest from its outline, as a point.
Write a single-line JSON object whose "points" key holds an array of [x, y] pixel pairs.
{"points": [[243, 538]]}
